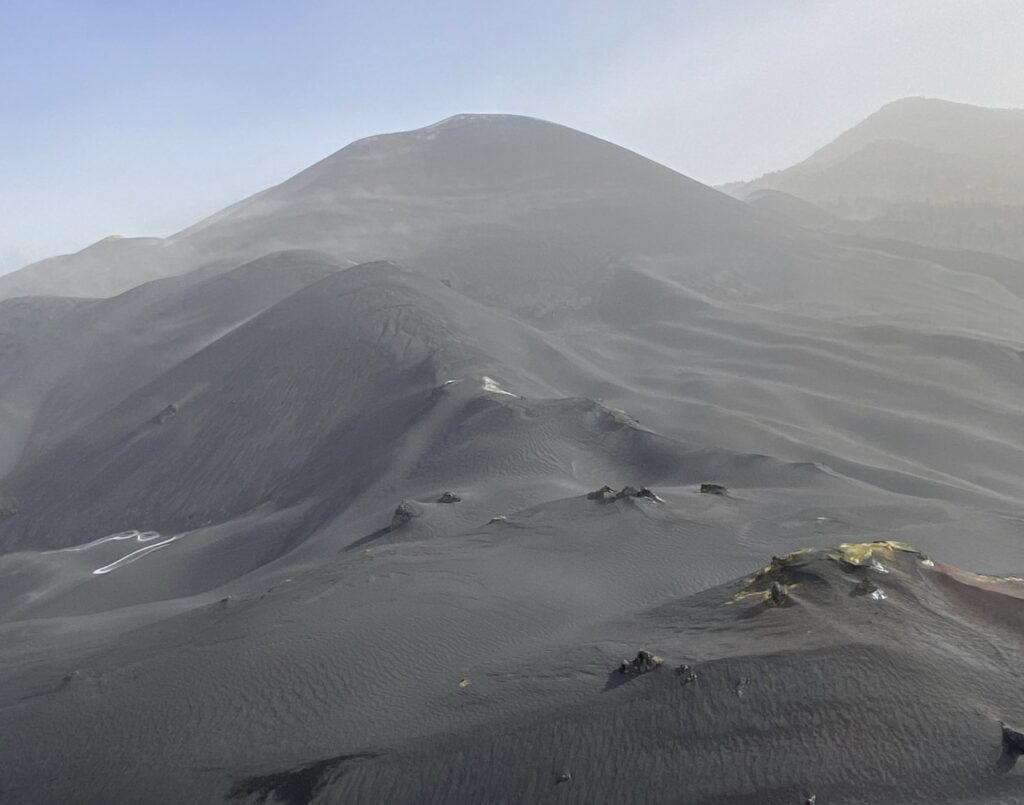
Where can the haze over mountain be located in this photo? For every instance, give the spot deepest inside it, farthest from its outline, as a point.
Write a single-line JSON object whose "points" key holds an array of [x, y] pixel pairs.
{"points": [[937, 173], [230, 571]]}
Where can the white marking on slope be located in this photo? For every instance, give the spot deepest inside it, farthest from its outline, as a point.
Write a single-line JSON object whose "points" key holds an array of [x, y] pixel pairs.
{"points": [[491, 386], [134, 555], [139, 536]]}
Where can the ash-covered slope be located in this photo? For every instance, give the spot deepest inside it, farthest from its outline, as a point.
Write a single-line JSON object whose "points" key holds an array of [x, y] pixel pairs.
{"points": [[511, 209], [934, 125], [372, 381], [105, 268], [869, 674], [66, 361], [485, 667], [217, 433], [278, 526], [923, 170]]}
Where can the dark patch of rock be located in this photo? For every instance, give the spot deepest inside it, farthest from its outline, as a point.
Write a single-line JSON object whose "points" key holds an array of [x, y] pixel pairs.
{"points": [[167, 413], [403, 514], [641, 664], [713, 489], [449, 497], [606, 494], [1013, 737]]}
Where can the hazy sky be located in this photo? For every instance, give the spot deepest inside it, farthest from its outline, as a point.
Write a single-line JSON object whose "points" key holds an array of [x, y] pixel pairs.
{"points": [[140, 117]]}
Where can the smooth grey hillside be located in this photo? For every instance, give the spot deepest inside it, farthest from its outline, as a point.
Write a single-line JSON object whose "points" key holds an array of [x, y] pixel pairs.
{"points": [[105, 268], [935, 125], [219, 432], [515, 210], [929, 171], [98, 351]]}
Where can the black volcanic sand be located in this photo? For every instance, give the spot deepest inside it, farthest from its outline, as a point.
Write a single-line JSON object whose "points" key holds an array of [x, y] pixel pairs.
{"points": [[477, 668], [206, 594]]}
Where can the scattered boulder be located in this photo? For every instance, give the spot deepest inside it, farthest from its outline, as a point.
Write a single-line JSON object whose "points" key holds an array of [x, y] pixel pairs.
{"points": [[403, 514], [686, 674], [501, 518], [606, 494], [865, 587], [778, 594], [641, 664], [564, 777], [713, 489], [1012, 738], [449, 497], [464, 683], [168, 412]]}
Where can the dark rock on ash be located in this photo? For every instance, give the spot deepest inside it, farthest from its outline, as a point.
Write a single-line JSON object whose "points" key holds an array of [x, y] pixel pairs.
{"points": [[778, 594], [1013, 738], [449, 497], [403, 514], [713, 489], [641, 664], [167, 413]]}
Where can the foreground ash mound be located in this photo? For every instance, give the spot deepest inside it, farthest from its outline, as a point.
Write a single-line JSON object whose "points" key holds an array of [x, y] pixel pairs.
{"points": [[878, 675]]}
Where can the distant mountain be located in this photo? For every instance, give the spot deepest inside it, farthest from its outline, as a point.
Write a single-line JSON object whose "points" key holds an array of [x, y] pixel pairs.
{"points": [[105, 268], [939, 173], [550, 207]]}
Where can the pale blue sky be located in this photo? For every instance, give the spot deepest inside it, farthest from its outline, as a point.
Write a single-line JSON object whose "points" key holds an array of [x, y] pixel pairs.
{"points": [[140, 117]]}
